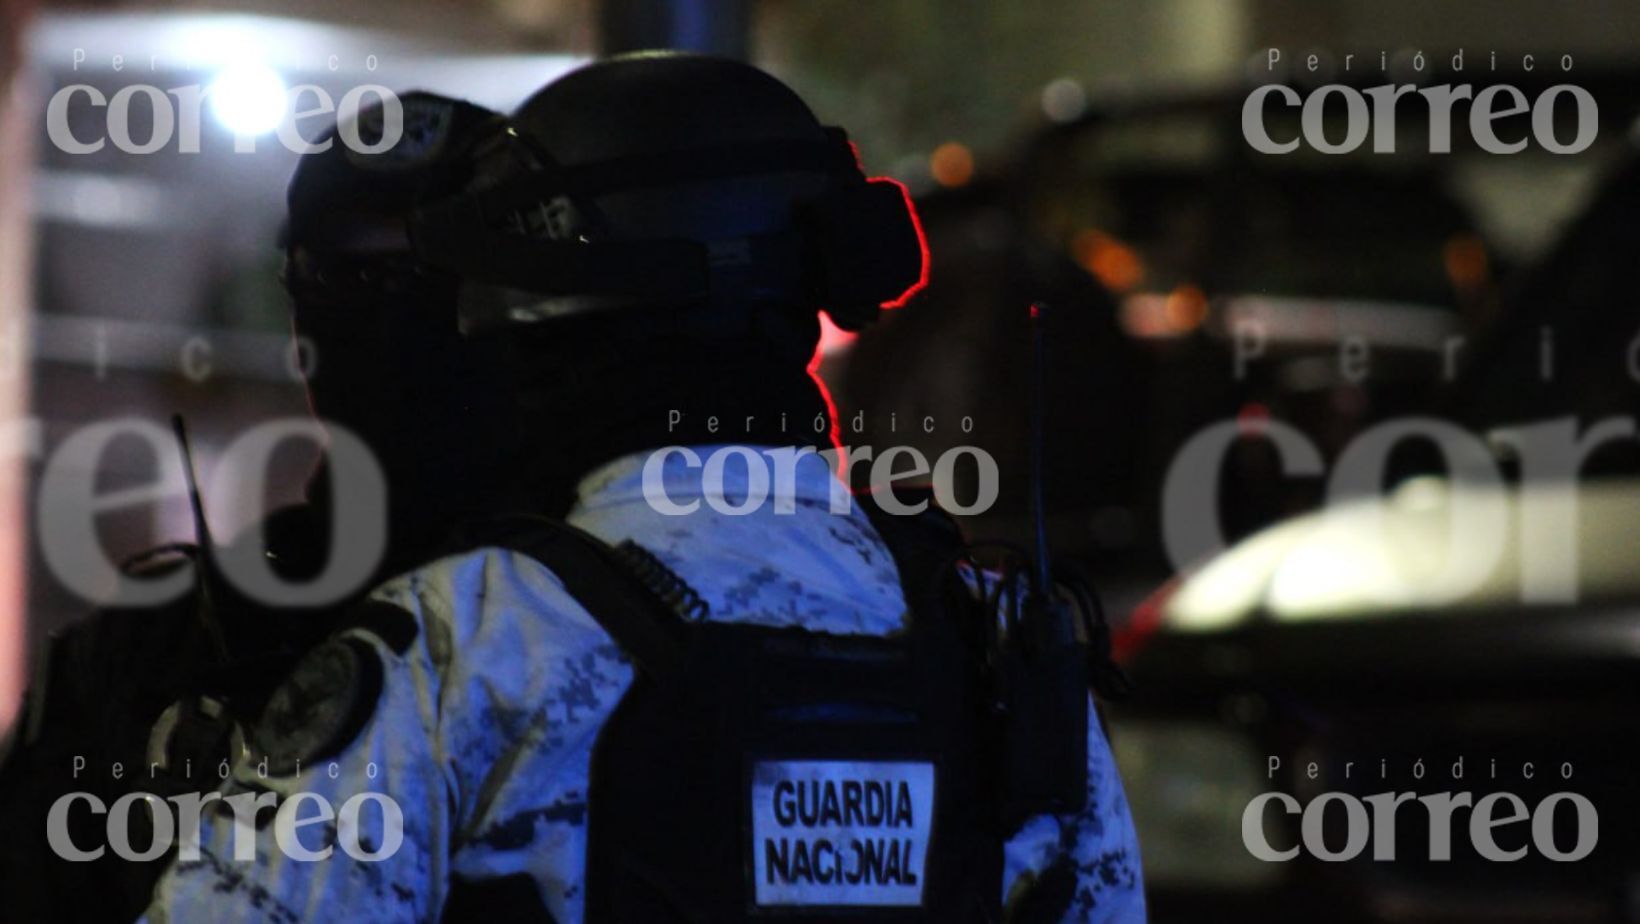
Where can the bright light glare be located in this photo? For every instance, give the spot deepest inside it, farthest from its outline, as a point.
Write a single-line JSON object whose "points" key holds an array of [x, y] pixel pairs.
{"points": [[248, 99]]}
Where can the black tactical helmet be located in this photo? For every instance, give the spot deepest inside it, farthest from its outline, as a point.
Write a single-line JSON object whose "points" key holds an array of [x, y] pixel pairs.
{"points": [[679, 180], [346, 229]]}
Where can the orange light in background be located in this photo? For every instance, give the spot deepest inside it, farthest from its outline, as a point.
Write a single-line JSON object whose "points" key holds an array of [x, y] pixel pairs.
{"points": [[1466, 262], [1154, 316], [1116, 265], [1186, 309], [951, 164], [1144, 315]]}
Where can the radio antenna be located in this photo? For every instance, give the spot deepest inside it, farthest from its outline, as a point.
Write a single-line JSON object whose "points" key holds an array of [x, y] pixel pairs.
{"points": [[205, 561], [1038, 418]]}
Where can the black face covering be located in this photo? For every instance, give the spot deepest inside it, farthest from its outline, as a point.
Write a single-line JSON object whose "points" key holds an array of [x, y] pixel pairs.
{"points": [[589, 392], [432, 406]]}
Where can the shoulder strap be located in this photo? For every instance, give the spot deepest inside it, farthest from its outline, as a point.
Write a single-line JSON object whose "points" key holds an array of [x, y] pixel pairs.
{"points": [[925, 547], [640, 622], [920, 543]]}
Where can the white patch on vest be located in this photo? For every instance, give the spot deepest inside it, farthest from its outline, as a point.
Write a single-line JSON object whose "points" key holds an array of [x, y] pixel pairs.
{"points": [[840, 833]]}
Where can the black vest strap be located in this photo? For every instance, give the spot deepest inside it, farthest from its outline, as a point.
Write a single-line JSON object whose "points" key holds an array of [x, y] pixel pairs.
{"points": [[514, 898], [645, 629], [640, 623]]}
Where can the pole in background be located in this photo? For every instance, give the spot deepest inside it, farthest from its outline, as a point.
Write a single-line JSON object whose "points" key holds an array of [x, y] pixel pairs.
{"points": [[718, 27]]}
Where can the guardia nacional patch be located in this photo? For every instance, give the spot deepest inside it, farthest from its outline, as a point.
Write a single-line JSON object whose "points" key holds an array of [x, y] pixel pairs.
{"points": [[840, 833]]}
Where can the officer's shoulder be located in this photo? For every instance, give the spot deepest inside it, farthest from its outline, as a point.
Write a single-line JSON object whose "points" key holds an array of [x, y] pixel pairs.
{"points": [[511, 549], [466, 579]]}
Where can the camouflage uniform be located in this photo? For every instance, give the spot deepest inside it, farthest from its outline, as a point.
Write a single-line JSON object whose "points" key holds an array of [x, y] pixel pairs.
{"points": [[486, 721]]}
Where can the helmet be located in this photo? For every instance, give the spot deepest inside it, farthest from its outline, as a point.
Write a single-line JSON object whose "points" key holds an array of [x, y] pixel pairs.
{"points": [[345, 236], [386, 358], [674, 180]]}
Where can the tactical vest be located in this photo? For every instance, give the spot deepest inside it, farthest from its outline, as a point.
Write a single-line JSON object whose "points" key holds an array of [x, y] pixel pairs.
{"points": [[760, 773]]}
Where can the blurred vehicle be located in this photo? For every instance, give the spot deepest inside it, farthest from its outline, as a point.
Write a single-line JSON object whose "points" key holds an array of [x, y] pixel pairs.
{"points": [[1289, 648], [1364, 287], [1326, 639], [1160, 240]]}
